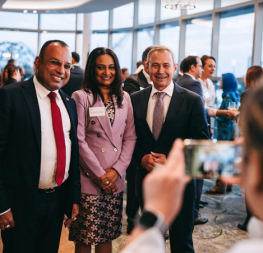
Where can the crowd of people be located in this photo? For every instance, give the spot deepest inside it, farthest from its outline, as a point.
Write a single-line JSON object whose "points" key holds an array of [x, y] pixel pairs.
{"points": [[70, 137]]}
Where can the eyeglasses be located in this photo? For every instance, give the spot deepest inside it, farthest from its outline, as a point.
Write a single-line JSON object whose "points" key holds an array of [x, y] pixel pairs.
{"points": [[57, 64]]}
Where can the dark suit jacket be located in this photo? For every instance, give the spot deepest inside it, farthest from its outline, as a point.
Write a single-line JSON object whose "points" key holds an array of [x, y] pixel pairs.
{"points": [[185, 119], [177, 77], [134, 82], [75, 80], [189, 83], [20, 151]]}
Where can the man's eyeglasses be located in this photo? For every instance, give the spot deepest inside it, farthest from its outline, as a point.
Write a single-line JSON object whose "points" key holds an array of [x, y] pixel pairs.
{"points": [[57, 64]]}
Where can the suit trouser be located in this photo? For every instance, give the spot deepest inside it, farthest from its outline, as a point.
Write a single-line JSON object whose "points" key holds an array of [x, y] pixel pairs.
{"points": [[41, 230], [181, 230], [199, 189], [132, 206]]}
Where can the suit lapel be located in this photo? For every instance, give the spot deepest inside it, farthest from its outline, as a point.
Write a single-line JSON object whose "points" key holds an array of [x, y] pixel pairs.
{"points": [[29, 93], [104, 120]]}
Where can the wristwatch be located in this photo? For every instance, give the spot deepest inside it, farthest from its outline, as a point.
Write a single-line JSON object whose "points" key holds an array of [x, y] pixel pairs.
{"points": [[149, 220]]}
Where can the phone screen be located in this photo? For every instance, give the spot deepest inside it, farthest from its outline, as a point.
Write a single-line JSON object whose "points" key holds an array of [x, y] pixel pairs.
{"points": [[205, 159]]}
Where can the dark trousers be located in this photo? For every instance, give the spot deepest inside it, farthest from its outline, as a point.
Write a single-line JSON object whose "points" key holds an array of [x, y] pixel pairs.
{"points": [[42, 229], [181, 230], [132, 206], [199, 188]]}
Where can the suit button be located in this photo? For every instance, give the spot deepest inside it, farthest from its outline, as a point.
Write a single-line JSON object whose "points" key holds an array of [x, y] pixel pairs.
{"points": [[126, 121], [98, 135], [115, 149], [103, 150], [120, 135], [92, 122]]}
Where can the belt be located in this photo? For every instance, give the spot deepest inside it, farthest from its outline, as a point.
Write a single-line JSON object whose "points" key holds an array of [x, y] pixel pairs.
{"points": [[47, 191]]}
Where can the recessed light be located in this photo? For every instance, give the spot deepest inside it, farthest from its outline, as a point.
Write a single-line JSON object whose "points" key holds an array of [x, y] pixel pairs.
{"points": [[34, 11], [25, 11]]}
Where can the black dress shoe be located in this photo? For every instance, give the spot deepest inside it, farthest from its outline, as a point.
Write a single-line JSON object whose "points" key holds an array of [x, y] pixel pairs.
{"points": [[130, 227], [166, 237], [242, 226], [203, 202], [200, 220], [201, 206]]}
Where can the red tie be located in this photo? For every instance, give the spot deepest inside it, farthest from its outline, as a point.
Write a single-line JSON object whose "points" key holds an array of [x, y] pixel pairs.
{"points": [[59, 136]]}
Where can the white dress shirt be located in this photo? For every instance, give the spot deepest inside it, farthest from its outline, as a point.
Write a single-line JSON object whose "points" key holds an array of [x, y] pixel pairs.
{"points": [[152, 101], [48, 143], [208, 92]]}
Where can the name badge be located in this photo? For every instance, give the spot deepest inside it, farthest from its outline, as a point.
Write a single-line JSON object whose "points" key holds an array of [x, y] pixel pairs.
{"points": [[96, 111]]}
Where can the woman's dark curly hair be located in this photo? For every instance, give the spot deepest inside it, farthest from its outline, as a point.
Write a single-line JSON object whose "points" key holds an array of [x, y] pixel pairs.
{"points": [[90, 83]]}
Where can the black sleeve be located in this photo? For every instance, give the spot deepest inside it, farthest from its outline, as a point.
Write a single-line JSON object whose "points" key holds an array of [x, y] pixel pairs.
{"points": [[131, 86]]}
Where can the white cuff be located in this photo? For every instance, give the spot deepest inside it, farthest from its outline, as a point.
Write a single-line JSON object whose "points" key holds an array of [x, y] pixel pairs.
{"points": [[5, 212]]}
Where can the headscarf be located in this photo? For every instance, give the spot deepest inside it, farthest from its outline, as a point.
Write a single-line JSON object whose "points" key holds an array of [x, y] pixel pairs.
{"points": [[230, 86]]}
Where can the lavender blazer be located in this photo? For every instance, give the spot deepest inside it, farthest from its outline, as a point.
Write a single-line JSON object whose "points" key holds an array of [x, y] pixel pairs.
{"points": [[102, 146]]}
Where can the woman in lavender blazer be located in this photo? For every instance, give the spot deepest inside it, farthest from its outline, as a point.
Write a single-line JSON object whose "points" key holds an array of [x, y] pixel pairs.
{"points": [[106, 135]]}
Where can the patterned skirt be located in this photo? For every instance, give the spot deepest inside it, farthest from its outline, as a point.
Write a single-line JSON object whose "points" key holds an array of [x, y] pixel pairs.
{"points": [[99, 219]]}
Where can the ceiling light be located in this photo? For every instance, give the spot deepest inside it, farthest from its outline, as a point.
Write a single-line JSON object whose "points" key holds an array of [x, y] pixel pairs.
{"points": [[179, 4], [34, 11], [25, 11]]}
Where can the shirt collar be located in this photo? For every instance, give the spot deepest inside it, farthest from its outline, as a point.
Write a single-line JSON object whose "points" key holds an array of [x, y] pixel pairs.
{"points": [[147, 77], [41, 90], [168, 90], [190, 75]]}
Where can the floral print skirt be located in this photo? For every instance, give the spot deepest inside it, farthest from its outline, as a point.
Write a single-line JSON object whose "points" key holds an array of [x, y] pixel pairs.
{"points": [[99, 219]]}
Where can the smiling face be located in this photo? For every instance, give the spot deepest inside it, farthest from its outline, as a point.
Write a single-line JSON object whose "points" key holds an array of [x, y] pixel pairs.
{"points": [[160, 68], [53, 68], [105, 70], [209, 68]]}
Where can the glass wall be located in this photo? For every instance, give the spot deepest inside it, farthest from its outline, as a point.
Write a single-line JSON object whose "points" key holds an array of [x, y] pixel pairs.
{"points": [[99, 40], [231, 2], [21, 46], [121, 45], [236, 41], [123, 16], [168, 13], [100, 20], [146, 11], [144, 40], [198, 36], [18, 20], [202, 5], [169, 36], [58, 22]]}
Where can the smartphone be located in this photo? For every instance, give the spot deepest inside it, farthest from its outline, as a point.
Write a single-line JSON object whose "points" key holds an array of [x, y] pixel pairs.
{"points": [[206, 159]]}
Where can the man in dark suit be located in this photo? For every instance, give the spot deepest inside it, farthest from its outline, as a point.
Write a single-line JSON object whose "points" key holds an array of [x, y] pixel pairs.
{"points": [[180, 73], [141, 79], [192, 68], [76, 76], [163, 113], [39, 173]]}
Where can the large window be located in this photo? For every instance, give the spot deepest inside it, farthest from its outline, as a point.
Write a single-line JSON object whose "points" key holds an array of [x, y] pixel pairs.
{"points": [[146, 11], [99, 40], [18, 20], [123, 16], [169, 36], [121, 45], [58, 22], [168, 13], [69, 38], [231, 2], [235, 41], [202, 5], [21, 46], [198, 36], [144, 40], [100, 20]]}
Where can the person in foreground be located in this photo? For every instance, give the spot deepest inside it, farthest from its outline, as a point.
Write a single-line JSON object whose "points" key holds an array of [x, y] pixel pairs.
{"points": [[172, 175], [39, 167], [164, 112], [106, 135]]}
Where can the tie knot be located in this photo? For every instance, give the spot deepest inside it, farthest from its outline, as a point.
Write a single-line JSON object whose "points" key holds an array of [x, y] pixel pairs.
{"points": [[160, 95], [52, 95]]}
